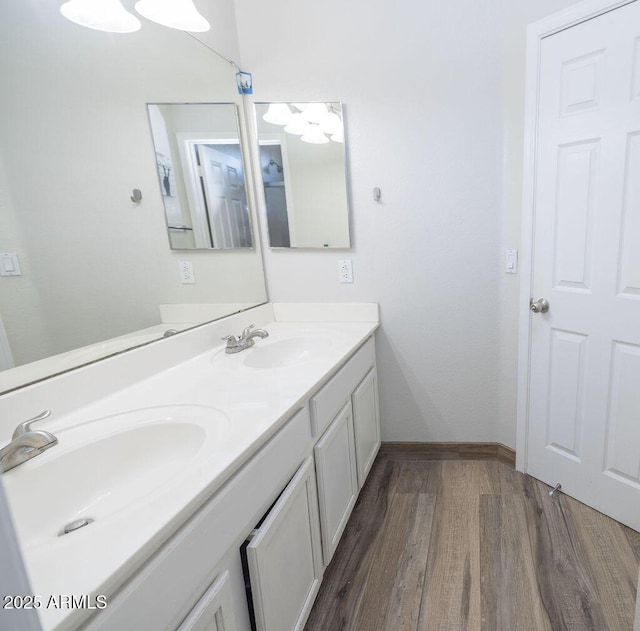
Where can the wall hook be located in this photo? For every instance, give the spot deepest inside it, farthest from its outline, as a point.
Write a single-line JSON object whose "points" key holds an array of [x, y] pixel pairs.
{"points": [[377, 193], [137, 196]]}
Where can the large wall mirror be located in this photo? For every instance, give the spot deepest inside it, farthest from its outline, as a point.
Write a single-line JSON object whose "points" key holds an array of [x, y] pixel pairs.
{"points": [[201, 175], [303, 169], [98, 274]]}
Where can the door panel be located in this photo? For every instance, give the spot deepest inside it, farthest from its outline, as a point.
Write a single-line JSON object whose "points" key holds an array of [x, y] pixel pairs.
{"points": [[214, 611], [223, 186], [584, 406], [565, 419], [572, 252], [629, 277], [337, 476], [581, 86], [623, 429], [284, 557], [366, 423], [635, 90]]}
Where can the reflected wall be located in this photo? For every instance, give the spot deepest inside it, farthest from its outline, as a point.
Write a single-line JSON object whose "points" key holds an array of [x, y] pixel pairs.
{"points": [[303, 169], [75, 142]]}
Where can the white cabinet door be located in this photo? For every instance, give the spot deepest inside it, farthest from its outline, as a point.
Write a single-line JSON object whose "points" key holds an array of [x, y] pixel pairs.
{"points": [[366, 424], [284, 557], [337, 479], [214, 611]]}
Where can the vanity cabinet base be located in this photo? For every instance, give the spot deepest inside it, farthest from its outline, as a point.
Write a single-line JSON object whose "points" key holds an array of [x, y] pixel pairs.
{"points": [[321, 457]]}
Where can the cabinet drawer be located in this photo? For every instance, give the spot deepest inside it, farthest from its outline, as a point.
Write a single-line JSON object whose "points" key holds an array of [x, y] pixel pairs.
{"points": [[335, 393]]}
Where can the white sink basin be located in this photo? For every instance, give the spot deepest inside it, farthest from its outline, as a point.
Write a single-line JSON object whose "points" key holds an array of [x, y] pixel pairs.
{"points": [[285, 352], [104, 467]]}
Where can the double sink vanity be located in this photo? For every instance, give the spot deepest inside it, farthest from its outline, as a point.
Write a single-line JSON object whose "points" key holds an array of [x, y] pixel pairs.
{"points": [[171, 475], [200, 488]]}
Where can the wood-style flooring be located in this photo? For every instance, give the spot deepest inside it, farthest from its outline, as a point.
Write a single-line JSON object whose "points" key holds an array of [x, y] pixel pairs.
{"points": [[474, 545]]}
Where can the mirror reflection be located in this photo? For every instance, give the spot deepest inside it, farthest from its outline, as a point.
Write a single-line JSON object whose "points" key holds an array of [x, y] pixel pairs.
{"points": [[201, 175], [302, 163], [96, 271]]}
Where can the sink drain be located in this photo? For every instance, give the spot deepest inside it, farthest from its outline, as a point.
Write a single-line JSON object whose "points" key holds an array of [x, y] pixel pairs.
{"points": [[75, 525]]}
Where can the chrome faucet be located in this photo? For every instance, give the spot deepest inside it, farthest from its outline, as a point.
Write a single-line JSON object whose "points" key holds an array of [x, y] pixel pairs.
{"points": [[26, 443], [237, 344]]}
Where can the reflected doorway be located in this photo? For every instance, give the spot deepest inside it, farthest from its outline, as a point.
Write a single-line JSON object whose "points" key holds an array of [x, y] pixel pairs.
{"points": [[275, 196]]}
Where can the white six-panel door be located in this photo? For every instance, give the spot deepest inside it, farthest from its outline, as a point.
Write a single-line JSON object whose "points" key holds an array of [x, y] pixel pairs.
{"points": [[224, 192], [584, 384]]}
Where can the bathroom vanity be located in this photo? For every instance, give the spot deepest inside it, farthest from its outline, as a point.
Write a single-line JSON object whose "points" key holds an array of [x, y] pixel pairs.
{"points": [[219, 484]]}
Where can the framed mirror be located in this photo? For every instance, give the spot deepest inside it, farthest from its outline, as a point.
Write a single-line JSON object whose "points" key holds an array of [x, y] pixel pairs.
{"points": [[303, 169], [201, 175], [95, 271]]}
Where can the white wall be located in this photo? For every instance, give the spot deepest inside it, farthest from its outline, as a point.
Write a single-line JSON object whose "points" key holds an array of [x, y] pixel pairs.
{"points": [[433, 96]]}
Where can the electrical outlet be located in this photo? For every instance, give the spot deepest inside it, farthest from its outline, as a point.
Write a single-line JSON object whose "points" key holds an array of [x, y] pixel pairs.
{"points": [[187, 277], [345, 271]]}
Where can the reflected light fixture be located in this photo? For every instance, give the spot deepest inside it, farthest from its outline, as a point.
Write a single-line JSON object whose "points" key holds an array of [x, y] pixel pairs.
{"points": [[338, 136], [315, 136], [297, 125], [331, 124], [314, 122], [178, 14], [315, 112], [102, 15], [277, 114]]}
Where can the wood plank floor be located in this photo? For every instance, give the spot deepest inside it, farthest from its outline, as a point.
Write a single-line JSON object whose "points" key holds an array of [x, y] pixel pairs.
{"points": [[474, 545]]}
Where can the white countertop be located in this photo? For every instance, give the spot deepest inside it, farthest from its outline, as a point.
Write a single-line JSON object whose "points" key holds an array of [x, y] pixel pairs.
{"points": [[256, 403]]}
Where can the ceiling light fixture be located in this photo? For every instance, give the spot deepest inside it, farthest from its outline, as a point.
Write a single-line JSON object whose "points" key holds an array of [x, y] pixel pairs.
{"points": [[314, 136], [277, 114], [331, 123], [314, 122], [315, 112], [102, 15], [178, 14], [297, 125]]}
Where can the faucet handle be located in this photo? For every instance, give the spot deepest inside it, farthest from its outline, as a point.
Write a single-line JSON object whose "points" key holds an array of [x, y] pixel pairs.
{"points": [[229, 338], [246, 331], [25, 426]]}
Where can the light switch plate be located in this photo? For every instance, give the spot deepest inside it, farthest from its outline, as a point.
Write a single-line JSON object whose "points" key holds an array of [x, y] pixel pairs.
{"points": [[511, 262], [9, 264]]}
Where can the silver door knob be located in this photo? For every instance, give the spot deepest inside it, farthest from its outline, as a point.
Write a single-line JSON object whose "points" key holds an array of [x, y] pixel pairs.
{"points": [[539, 306]]}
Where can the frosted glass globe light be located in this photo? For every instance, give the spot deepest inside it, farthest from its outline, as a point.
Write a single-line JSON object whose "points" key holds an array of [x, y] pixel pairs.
{"points": [[178, 14], [315, 136], [331, 123], [102, 15], [315, 112], [297, 125], [277, 114]]}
